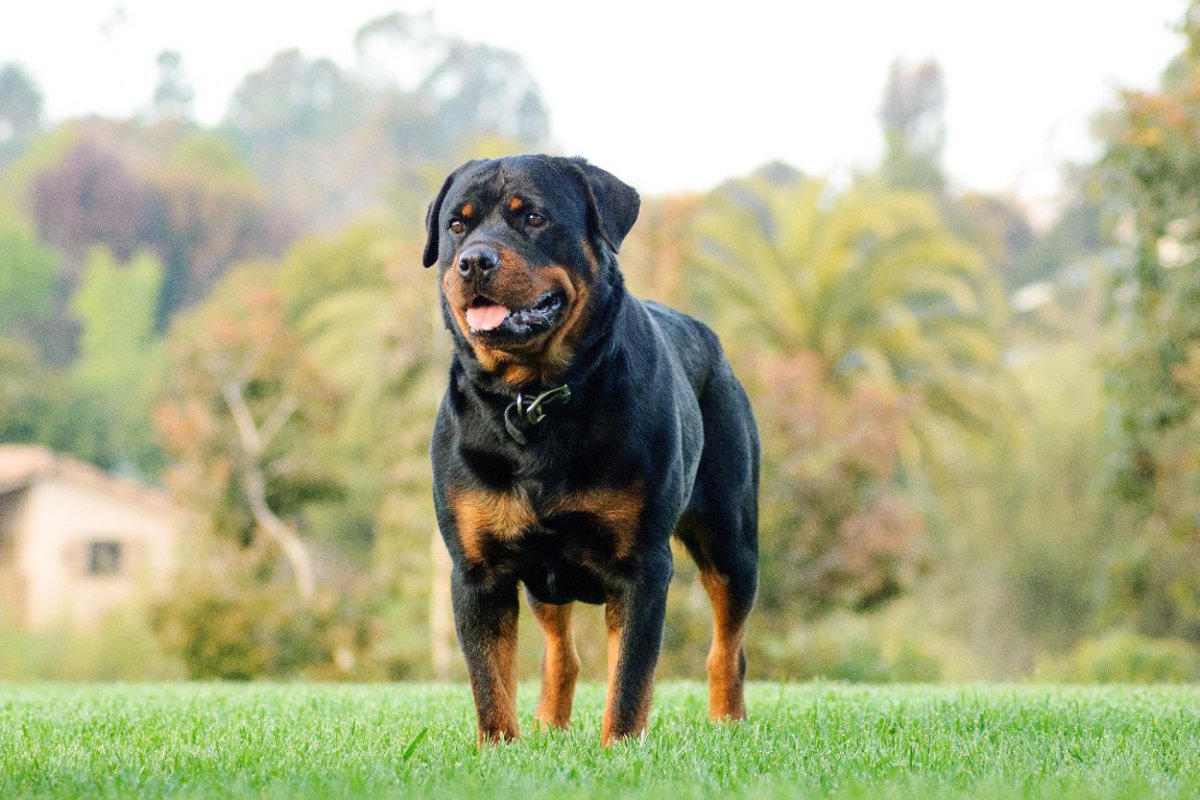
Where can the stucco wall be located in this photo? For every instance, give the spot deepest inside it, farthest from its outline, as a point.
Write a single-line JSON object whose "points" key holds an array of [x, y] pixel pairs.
{"points": [[60, 520]]}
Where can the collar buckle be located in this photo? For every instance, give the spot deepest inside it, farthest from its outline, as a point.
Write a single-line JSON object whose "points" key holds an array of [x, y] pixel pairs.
{"points": [[532, 411]]}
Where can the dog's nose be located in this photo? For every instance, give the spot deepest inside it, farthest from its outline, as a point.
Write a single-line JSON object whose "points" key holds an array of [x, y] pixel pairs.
{"points": [[477, 261]]}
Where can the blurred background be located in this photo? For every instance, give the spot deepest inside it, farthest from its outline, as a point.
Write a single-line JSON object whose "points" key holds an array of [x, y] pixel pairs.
{"points": [[952, 253]]}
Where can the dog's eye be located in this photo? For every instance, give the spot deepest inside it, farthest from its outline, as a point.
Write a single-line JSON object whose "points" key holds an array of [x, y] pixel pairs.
{"points": [[535, 220], [457, 226]]}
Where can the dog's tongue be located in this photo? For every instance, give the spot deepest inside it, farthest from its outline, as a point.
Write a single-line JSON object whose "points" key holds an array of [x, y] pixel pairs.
{"points": [[486, 318]]}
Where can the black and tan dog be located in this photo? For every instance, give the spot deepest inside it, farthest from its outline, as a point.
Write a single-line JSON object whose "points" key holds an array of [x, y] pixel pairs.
{"points": [[581, 427]]}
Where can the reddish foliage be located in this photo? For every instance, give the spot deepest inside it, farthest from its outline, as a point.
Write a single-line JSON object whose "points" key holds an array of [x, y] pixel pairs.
{"points": [[843, 532]]}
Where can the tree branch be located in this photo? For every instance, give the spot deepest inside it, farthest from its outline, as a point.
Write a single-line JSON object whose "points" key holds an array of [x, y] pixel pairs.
{"points": [[254, 441], [279, 417]]}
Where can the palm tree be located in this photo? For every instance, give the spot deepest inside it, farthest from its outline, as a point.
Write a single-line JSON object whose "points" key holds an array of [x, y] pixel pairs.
{"points": [[871, 280]]}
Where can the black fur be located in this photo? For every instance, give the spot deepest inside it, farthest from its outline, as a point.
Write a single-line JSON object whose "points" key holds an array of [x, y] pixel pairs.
{"points": [[655, 414]]}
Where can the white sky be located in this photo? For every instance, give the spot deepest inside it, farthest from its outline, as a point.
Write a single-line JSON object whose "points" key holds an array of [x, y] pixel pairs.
{"points": [[672, 95]]}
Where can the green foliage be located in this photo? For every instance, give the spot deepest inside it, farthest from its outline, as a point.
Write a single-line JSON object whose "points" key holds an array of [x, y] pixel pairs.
{"points": [[818, 740], [22, 392], [356, 260], [120, 358], [1126, 657], [115, 303], [239, 344], [834, 529], [240, 620], [871, 280], [872, 336], [210, 153], [119, 649], [844, 647], [1152, 170], [1020, 540], [40, 405], [27, 270]]}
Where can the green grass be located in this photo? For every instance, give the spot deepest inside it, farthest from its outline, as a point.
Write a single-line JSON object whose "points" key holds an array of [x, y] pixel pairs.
{"points": [[818, 740]]}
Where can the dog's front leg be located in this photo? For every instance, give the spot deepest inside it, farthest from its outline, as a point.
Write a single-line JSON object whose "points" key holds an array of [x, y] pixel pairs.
{"points": [[485, 615], [634, 615]]}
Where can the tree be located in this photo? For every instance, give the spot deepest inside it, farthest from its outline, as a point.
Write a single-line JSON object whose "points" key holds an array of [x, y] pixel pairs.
{"points": [[836, 528], [332, 143], [654, 256], [1152, 173], [206, 213], [294, 98], [120, 356], [240, 403], [90, 198], [871, 280], [173, 93], [482, 90], [870, 335], [191, 201], [468, 90], [375, 335], [998, 228], [914, 129], [20, 111], [26, 282]]}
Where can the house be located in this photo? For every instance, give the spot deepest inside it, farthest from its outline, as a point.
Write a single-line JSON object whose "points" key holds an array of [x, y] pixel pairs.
{"points": [[77, 543]]}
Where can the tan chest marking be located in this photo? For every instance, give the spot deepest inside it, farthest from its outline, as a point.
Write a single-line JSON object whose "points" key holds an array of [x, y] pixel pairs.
{"points": [[483, 516], [619, 509]]}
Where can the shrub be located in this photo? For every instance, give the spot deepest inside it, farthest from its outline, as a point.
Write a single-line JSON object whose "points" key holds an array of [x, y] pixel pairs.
{"points": [[1126, 657], [241, 622]]}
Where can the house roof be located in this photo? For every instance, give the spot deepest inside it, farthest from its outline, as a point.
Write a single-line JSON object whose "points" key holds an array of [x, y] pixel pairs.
{"points": [[22, 466]]}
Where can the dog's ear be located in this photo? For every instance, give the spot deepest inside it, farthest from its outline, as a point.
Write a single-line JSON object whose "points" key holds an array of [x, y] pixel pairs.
{"points": [[432, 238], [612, 204]]}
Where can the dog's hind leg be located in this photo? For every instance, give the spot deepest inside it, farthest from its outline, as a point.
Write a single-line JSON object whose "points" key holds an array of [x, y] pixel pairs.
{"points": [[720, 530], [560, 663], [732, 598]]}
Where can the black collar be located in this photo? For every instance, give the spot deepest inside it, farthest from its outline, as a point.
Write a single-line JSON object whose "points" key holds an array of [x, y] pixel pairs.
{"points": [[532, 411]]}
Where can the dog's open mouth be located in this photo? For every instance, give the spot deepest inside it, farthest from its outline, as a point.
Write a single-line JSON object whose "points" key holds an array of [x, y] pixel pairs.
{"points": [[489, 318]]}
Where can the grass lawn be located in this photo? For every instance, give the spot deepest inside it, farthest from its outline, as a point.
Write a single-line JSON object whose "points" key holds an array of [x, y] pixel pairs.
{"points": [[803, 740]]}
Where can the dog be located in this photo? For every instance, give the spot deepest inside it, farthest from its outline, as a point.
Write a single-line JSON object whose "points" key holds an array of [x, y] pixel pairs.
{"points": [[580, 429]]}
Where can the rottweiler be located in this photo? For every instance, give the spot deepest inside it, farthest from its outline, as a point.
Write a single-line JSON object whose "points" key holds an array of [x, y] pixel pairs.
{"points": [[581, 427]]}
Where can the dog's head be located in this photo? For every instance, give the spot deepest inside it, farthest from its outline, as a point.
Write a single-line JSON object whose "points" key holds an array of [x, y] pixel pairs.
{"points": [[523, 244]]}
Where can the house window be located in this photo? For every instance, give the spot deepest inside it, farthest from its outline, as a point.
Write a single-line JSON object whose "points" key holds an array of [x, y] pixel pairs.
{"points": [[104, 558]]}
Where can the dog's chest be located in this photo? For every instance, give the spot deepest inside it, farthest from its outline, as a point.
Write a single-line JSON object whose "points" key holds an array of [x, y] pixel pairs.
{"points": [[594, 527]]}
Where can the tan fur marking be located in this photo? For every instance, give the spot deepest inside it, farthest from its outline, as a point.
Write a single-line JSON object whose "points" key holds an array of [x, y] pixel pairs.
{"points": [[539, 362], [725, 690], [560, 664], [468, 210], [515, 203], [620, 509], [612, 620], [481, 515], [589, 255]]}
